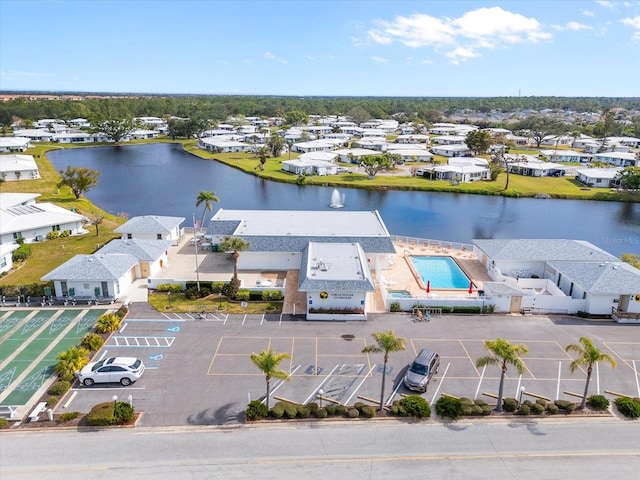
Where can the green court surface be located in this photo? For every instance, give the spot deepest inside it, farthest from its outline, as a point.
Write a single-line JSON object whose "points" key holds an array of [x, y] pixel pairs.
{"points": [[22, 334], [11, 320], [38, 373]]}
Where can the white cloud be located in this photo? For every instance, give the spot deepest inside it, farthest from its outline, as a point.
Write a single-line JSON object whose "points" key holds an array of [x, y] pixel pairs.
{"points": [[426, 61], [573, 26], [588, 13], [633, 22], [463, 37], [380, 59], [270, 56], [606, 4], [311, 57]]}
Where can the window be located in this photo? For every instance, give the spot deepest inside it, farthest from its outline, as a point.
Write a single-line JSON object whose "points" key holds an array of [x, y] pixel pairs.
{"points": [[159, 236], [129, 236], [17, 235], [55, 228]]}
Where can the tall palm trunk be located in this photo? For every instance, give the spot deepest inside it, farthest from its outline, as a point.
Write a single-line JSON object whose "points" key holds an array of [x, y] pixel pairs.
{"points": [[268, 390], [501, 389], [384, 376], [583, 404], [235, 265]]}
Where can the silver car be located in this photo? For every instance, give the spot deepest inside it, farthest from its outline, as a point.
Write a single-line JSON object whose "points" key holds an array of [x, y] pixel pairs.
{"points": [[124, 370]]}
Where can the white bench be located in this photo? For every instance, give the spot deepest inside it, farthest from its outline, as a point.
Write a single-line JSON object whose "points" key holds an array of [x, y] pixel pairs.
{"points": [[8, 411], [37, 411]]}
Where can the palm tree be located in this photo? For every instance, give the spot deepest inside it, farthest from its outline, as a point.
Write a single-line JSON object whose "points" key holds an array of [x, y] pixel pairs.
{"points": [[71, 360], [237, 245], [263, 153], [588, 355], [205, 198], [503, 354], [386, 342], [267, 361]]}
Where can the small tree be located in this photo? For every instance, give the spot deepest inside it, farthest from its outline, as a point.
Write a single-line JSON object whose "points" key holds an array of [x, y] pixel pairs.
{"points": [[267, 361], [236, 245], [96, 218], [386, 342], [478, 141], [263, 153], [588, 356], [372, 164], [79, 179], [503, 354], [205, 199]]}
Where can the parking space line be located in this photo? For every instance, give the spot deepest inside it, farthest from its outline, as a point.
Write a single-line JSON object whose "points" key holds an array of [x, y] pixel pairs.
{"points": [[364, 379], [480, 382], [435, 395], [469, 357], [215, 354]]}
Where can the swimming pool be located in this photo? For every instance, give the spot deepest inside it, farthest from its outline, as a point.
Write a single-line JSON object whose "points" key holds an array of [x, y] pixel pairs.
{"points": [[439, 272]]}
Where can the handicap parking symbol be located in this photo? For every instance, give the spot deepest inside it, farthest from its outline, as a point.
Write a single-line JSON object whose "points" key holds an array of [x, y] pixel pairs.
{"points": [[173, 329], [156, 358]]}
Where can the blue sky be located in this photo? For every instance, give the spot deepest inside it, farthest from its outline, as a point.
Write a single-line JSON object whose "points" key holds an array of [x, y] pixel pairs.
{"points": [[306, 47]]}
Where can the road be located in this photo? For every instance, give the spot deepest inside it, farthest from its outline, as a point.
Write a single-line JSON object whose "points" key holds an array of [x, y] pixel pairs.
{"points": [[380, 449]]}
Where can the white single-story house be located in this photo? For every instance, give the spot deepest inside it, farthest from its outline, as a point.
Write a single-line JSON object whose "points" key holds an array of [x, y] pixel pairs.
{"points": [[632, 142], [451, 150], [152, 227], [564, 156], [18, 167], [449, 140], [151, 122], [372, 133], [309, 166], [537, 168], [141, 134], [97, 277], [379, 144], [412, 154], [73, 137], [34, 134], [351, 242], [6, 256], [558, 140], [455, 172], [313, 146], [353, 155], [219, 145], [619, 159], [414, 138], [325, 156], [21, 216], [79, 123], [14, 144], [451, 129], [557, 276], [392, 147], [152, 255], [597, 177]]}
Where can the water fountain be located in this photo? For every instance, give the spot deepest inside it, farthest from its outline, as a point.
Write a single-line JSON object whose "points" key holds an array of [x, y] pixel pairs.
{"points": [[337, 200]]}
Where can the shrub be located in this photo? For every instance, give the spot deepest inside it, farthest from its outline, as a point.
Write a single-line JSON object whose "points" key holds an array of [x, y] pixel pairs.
{"points": [[65, 233], [277, 411], [552, 408], [449, 407], [22, 253], [52, 401], [67, 377], [231, 288], [541, 401], [242, 295], [331, 410], [68, 416], [72, 359], [353, 412], [510, 404], [123, 413], [368, 411], [191, 293], [3, 423], [59, 388], [290, 410], [598, 402], [629, 407], [480, 402], [395, 410], [341, 410], [53, 235], [256, 410], [122, 312], [359, 405], [394, 307], [537, 409], [304, 411], [101, 415], [275, 295], [313, 407], [92, 342], [467, 402], [476, 410], [216, 287], [486, 410], [107, 322], [416, 406], [321, 413], [170, 287], [524, 410], [565, 405], [528, 403]]}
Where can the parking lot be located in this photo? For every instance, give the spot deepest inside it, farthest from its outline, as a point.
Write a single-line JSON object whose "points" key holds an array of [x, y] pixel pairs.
{"points": [[199, 371]]}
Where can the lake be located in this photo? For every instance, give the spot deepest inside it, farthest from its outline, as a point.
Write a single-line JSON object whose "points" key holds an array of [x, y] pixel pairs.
{"points": [[163, 179]]}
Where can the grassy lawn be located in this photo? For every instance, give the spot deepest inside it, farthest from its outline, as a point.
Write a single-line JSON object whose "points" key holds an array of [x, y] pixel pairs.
{"points": [[179, 304]]}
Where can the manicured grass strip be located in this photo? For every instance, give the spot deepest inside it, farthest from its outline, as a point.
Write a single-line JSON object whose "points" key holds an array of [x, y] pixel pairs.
{"points": [[11, 321]]}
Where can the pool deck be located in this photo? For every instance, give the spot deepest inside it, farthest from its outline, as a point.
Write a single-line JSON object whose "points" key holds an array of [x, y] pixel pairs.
{"points": [[401, 276]]}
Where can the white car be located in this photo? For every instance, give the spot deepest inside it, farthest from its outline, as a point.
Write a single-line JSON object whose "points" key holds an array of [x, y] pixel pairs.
{"points": [[125, 370]]}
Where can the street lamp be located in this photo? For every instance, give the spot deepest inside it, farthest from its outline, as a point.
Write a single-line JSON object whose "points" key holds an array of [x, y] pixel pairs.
{"points": [[115, 399], [522, 389], [321, 393], [169, 297]]}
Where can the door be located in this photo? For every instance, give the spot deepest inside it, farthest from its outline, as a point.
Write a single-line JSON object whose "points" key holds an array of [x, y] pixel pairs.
{"points": [[516, 302]]}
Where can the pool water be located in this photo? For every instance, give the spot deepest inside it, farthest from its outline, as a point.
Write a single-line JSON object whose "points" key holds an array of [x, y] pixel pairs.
{"points": [[441, 272], [399, 293]]}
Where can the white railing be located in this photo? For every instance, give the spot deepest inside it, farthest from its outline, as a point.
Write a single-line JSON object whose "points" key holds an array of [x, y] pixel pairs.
{"points": [[408, 242]]}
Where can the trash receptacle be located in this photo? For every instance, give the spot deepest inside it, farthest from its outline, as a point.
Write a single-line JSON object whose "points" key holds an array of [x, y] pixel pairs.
{"points": [[214, 247]]}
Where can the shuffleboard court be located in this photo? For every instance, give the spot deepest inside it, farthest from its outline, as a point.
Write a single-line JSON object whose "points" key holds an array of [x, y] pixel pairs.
{"points": [[9, 322]]}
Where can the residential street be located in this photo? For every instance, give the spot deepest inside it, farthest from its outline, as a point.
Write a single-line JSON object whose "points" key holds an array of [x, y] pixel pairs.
{"points": [[491, 449]]}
